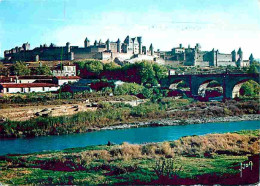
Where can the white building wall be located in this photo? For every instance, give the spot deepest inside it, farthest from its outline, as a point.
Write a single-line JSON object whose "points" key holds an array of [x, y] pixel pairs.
{"points": [[28, 90], [12, 90], [38, 89], [25, 80], [66, 71], [53, 88], [63, 81]]}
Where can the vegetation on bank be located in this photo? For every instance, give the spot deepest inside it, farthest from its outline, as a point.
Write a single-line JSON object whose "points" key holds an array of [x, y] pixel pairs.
{"points": [[109, 114], [209, 159]]}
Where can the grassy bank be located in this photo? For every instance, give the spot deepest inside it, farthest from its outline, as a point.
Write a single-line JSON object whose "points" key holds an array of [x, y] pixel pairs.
{"points": [[109, 114], [190, 159]]}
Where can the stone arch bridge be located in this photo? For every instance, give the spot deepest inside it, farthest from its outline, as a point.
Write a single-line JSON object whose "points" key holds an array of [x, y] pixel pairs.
{"points": [[231, 83]]}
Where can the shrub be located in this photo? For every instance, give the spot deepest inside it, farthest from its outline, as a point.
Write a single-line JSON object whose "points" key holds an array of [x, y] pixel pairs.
{"points": [[130, 151], [166, 170], [143, 109], [128, 89], [167, 150], [216, 143], [149, 149]]}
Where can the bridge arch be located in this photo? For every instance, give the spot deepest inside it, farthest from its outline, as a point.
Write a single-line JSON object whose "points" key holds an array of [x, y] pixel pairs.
{"points": [[200, 83], [176, 83], [237, 87], [234, 82], [172, 81], [203, 87]]}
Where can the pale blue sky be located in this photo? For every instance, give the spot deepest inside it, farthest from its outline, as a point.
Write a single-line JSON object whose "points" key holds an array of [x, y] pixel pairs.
{"points": [[219, 24]]}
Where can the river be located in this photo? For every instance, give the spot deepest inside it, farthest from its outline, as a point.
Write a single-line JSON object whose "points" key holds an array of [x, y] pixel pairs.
{"points": [[132, 135]]}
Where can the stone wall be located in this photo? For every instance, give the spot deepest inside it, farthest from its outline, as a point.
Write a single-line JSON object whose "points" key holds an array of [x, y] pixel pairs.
{"points": [[85, 55], [202, 63]]}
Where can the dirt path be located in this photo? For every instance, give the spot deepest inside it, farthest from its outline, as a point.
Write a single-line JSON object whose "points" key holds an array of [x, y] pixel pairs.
{"points": [[25, 113]]}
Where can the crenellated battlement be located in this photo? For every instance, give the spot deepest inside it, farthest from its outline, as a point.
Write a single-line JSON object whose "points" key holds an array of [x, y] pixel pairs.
{"points": [[130, 46]]}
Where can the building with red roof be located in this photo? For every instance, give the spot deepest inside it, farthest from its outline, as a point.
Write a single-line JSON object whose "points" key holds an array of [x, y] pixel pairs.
{"points": [[60, 80], [27, 87]]}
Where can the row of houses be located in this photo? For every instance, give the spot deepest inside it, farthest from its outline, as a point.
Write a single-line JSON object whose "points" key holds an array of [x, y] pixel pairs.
{"points": [[61, 74], [27, 84]]}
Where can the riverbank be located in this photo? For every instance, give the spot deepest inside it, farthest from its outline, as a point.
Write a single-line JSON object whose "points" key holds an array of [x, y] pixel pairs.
{"points": [[173, 122], [121, 115], [209, 159]]}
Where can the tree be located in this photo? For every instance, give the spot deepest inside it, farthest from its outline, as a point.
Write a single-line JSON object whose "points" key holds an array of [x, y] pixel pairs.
{"points": [[252, 69], [147, 73], [43, 70], [111, 66], [128, 88], [107, 90], [250, 88], [21, 69], [80, 64], [160, 71], [157, 95], [94, 66], [147, 92], [3, 70]]}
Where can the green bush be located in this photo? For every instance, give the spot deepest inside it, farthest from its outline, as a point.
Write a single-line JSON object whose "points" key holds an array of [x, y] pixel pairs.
{"points": [[145, 109], [128, 89]]}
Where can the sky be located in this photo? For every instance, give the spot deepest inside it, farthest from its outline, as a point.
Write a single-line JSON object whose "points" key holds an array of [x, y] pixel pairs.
{"points": [[221, 24]]}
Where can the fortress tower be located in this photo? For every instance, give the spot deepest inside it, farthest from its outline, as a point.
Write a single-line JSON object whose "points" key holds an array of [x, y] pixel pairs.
{"points": [[240, 57], [139, 39], [240, 54], [95, 43], [26, 46], [118, 45], [100, 43], [251, 59], [151, 49], [198, 47], [234, 55], [108, 44], [86, 43], [68, 47], [214, 58], [195, 56]]}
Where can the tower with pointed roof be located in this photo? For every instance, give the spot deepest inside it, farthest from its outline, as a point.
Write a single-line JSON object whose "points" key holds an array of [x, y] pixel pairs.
{"points": [[86, 43], [95, 43], [151, 49], [118, 43], [139, 39], [240, 57], [251, 59], [234, 55], [108, 44]]}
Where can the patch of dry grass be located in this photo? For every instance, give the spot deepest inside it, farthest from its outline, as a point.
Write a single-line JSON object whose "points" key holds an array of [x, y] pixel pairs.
{"points": [[229, 143]]}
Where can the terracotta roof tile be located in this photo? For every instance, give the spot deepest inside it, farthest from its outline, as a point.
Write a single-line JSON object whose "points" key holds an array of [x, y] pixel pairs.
{"points": [[35, 77], [27, 85], [68, 77]]}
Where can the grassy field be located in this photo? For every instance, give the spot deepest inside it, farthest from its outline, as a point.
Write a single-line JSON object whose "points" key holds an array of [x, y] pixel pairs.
{"points": [[187, 160]]}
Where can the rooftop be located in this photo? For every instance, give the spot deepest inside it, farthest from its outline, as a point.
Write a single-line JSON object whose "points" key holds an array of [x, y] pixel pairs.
{"points": [[27, 85], [35, 77], [67, 77]]}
